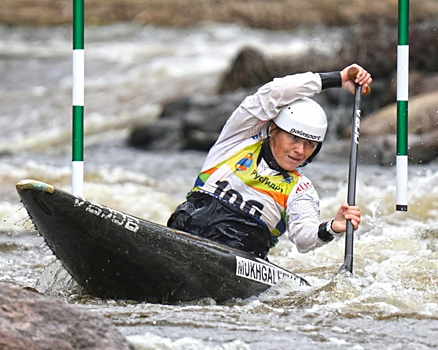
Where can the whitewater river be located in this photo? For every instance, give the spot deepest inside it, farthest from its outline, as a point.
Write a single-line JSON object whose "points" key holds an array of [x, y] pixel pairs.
{"points": [[391, 302]]}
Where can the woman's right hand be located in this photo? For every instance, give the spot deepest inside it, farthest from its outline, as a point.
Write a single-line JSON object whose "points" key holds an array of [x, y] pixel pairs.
{"points": [[346, 212]]}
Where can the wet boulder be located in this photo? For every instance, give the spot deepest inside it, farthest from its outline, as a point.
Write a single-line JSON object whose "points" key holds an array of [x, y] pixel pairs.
{"points": [[188, 123], [160, 134], [31, 321], [378, 131], [250, 68]]}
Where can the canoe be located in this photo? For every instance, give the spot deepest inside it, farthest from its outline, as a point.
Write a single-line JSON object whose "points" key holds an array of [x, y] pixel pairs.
{"points": [[116, 255]]}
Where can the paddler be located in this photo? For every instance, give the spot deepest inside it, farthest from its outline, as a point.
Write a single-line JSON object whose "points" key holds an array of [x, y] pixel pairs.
{"points": [[249, 191]]}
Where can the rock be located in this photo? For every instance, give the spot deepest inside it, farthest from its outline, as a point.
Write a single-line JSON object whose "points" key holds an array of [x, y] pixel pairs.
{"points": [[382, 149], [162, 134], [31, 321], [422, 117], [420, 83], [249, 69], [203, 123], [189, 123], [378, 132], [423, 148]]}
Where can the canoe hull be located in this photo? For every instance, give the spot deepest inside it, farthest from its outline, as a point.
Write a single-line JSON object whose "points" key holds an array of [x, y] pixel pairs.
{"points": [[116, 255]]}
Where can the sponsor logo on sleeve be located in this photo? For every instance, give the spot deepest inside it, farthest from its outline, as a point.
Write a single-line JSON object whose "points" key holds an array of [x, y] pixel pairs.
{"points": [[303, 187]]}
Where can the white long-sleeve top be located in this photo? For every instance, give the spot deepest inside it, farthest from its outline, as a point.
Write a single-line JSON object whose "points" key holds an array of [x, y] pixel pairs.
{"points": [[247, 125]]}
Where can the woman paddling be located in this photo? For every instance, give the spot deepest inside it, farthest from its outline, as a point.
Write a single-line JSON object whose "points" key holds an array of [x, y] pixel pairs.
{"points": [[249, 191]]}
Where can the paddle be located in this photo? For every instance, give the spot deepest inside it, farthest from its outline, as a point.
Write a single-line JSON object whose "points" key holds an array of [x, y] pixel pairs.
{"points": [[352, 171]]}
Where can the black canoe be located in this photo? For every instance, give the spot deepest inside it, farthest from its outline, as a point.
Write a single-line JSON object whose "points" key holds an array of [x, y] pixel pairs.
{"points": [[116, 255]]}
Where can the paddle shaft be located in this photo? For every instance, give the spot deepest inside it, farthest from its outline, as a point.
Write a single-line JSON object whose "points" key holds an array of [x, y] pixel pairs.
{"points": [[352, 174]]}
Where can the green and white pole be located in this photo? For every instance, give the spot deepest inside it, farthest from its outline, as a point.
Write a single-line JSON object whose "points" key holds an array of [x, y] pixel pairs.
{"points": [[78, 97], [402, 105]]}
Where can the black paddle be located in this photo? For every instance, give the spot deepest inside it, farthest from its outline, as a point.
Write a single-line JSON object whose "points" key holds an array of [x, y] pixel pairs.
{"points": [[352, 171]]}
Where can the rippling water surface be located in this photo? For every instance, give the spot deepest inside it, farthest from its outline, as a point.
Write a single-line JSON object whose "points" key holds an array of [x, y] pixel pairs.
{"points": [[391, 302]]}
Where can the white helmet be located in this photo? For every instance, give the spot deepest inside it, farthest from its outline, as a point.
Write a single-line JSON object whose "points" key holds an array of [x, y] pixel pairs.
{"points": [[304, 118]]}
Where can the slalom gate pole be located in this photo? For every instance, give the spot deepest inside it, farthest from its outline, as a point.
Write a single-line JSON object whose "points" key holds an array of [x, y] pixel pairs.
{"points": [[78, 98], [402, 105]]}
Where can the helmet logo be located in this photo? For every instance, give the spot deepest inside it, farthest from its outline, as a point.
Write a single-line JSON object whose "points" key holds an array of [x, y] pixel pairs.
{"points": [[304, 134]]}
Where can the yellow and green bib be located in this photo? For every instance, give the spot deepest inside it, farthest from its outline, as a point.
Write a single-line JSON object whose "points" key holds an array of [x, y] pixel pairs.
{"points": [[237, 181]]}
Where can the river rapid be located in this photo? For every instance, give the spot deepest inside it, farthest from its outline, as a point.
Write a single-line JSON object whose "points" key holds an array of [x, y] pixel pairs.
{"points": [[391, 301]]}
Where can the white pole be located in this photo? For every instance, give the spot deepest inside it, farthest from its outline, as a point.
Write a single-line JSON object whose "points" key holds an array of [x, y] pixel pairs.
{"points": [[402, 105], [78, 98]]}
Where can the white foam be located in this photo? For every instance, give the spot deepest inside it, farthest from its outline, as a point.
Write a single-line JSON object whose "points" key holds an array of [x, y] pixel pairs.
{"points": [[150, 341]]}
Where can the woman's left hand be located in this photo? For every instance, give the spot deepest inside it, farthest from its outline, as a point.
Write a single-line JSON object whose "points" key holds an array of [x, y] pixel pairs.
{"points": [[361, 77]]}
